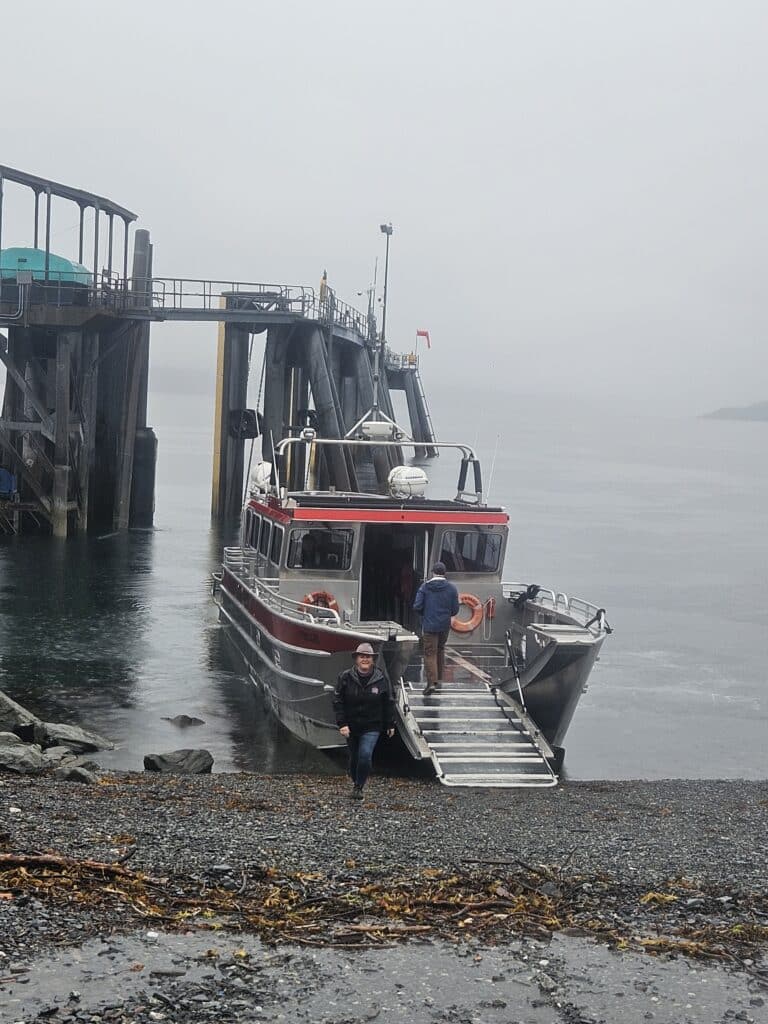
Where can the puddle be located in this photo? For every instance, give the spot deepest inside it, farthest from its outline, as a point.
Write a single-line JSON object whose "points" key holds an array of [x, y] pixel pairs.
{"points": [[568, 979]]}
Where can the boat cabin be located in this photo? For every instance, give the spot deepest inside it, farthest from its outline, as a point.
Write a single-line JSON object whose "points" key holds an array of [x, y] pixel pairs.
{"points": [[366, 556]]}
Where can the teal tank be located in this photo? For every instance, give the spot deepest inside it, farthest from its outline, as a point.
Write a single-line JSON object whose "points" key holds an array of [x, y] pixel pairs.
{"points": [[59, 268]]}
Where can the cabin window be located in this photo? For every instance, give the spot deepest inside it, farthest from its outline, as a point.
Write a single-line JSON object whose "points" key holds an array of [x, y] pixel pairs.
{"points": [[470, 551], [265, 537], [277, 544], [322, 548], [253, 537]]}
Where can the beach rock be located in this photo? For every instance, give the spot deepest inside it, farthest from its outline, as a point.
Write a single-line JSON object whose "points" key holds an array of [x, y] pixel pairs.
{"points": [[54, 756], [184, 721], [185, 762], [75, 738], [15, 714], [31, 729], [73, 774], [17, 756]]}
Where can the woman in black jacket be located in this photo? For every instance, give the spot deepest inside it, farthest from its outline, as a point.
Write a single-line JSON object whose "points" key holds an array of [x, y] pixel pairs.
{"points": [[364, 709]]}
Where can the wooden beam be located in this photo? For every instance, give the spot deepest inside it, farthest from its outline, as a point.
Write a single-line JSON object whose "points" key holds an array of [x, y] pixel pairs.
{"points": [[42, 497], [34, 401], [61, 444]]}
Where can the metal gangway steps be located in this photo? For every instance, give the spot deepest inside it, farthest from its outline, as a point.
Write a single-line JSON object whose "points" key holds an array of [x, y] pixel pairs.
{"points": [[476, 736]]}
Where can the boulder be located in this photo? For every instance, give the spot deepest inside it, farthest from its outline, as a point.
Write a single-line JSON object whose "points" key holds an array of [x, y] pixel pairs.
{"points": [[184, 721], [75, 738], [183, 762], [56, 756], [15, 714], [71, 774], [17, 756], [31, 729]]}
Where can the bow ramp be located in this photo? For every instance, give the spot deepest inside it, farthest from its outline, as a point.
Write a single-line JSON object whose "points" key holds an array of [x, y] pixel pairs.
{"points": [[476, 736]]}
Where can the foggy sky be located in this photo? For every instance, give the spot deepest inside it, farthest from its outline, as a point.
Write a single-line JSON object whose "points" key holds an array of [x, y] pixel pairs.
{"points": [[576, 186]]}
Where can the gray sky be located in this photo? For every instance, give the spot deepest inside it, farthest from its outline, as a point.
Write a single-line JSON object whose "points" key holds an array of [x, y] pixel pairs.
{"points": [[577, 186]]}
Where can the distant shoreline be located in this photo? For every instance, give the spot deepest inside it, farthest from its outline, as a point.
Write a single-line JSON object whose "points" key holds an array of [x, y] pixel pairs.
{"points": [[754, 413]]}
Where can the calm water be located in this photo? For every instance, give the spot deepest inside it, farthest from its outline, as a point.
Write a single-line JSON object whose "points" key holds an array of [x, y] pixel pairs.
{"points": [[659, 519]]}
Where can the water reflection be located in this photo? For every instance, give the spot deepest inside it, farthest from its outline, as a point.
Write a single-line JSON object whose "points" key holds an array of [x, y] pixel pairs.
{"points": [[73, 618], [120, 633]]}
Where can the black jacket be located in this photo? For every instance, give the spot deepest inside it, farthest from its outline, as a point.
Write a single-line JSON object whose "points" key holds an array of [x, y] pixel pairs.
{"points": [[364, 702]]}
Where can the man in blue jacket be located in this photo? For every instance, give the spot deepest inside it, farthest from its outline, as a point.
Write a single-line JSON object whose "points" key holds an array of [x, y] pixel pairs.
{"points": [[438, 601]]}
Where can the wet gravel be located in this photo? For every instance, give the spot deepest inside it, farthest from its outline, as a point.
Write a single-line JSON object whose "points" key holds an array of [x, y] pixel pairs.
{"points": [[623, 839]]}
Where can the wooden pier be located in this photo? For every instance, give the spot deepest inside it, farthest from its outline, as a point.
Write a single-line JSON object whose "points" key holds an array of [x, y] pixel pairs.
{"points": [[74, 339]]}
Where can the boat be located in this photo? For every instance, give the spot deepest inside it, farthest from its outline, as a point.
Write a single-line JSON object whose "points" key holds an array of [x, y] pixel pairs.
{"points": [[319, 571]]}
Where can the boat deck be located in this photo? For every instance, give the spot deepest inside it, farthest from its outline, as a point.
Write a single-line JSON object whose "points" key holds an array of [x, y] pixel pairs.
{"points": [[475, 736]]}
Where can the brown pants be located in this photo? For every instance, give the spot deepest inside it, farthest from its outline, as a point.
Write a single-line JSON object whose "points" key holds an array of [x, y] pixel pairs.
{"points": [[434, 656]]}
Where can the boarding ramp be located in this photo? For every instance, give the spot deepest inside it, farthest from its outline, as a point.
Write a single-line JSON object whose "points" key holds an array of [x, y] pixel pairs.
{"points": [[473, 733]]}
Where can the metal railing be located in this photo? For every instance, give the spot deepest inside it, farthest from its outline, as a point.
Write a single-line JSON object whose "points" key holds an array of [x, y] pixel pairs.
{"points": [[244, 565], [400, 360], [61, 288], [159, 294], [582, 612], [177, 294]]}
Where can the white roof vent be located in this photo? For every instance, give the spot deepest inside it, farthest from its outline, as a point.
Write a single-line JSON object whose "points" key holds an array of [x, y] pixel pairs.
{"points": [[407, 482]]}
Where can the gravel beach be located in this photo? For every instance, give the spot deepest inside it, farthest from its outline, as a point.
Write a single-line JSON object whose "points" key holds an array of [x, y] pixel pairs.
{"points": [[265, 897]]}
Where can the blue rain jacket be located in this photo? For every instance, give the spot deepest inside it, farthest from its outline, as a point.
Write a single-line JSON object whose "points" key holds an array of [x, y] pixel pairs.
{"points": [[438, 602]]}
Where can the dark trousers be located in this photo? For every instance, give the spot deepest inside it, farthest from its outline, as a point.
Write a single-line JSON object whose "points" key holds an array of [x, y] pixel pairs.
{"points": [[434, 655], [361, 748]]}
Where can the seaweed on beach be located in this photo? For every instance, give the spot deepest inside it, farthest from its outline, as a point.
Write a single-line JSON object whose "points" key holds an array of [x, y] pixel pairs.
{"points": [[357, 909]]}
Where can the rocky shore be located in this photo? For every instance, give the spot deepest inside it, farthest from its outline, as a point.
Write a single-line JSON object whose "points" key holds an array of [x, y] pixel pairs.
{"points": [[255, 897]]}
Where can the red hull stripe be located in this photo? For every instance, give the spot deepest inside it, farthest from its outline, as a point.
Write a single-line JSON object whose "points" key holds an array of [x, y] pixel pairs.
{"points": [[359, 515]]}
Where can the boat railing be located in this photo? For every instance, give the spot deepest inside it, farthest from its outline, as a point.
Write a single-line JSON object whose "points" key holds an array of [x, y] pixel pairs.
{"points": [[582, 612], [244, 565], [385, 433]]}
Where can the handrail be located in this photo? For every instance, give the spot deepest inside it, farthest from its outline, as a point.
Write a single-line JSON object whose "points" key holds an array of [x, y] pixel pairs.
{"points": [[579, 609], [178, 293], [239, 562], [404, 442], [308, 436]]}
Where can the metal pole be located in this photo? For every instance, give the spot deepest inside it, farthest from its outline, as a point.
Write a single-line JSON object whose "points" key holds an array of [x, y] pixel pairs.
{"points": [[96, 212], [80, 250], [109, 256], [37, 213], [47, 232], [125, 253], [1, 230], [378, 355], [387, 230]]}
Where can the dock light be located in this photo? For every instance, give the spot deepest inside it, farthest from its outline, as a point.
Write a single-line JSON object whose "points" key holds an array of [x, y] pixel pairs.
{"points": [[386, 229]]}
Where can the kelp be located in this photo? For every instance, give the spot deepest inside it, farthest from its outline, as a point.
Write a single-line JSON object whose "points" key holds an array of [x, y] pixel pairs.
{"points": [[358, 909]]}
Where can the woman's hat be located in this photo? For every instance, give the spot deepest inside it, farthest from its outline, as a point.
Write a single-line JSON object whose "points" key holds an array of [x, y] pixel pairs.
{"points": [[363, 649]]}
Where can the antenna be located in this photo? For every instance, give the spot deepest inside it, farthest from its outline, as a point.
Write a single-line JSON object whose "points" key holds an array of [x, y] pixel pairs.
{"points": [[490, 475], [386, 229]]}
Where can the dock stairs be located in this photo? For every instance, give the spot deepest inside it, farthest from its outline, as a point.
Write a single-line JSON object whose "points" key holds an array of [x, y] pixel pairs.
{"points": [[476, 736]]}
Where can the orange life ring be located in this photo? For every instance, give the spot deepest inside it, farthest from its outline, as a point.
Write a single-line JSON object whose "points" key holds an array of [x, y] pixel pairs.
{"points": [[467, 625], [319, 599]]}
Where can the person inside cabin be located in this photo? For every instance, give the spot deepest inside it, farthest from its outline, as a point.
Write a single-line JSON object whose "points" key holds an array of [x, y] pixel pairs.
{"points": [[364, 708], [310, 556], [437, 601]]}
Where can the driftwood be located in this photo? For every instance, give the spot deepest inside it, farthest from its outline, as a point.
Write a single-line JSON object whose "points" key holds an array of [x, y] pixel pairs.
{"points": [[48, 860]]}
